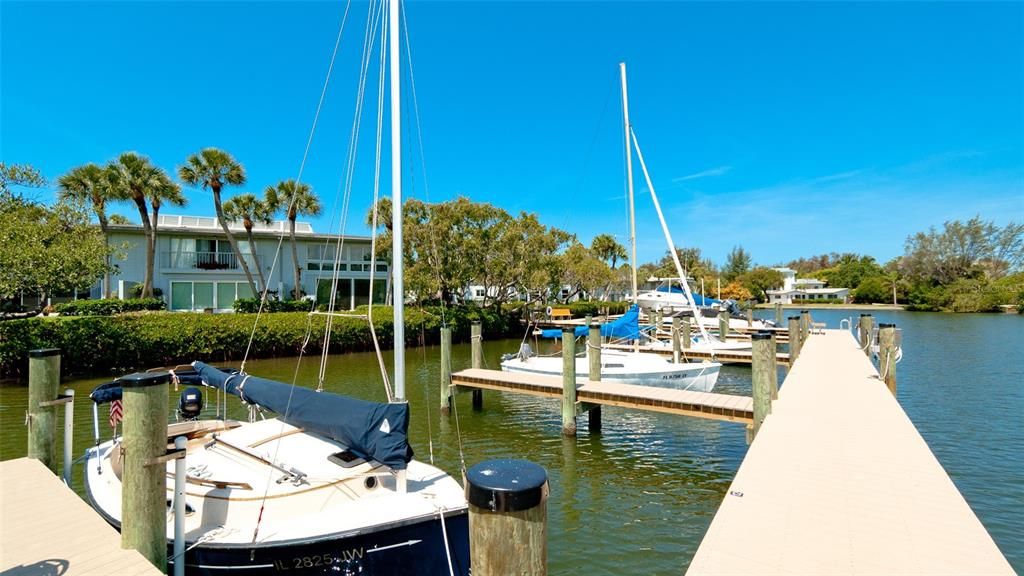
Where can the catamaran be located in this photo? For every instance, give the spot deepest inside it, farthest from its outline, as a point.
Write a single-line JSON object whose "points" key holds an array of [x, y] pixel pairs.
{"points": [[329, 485]]}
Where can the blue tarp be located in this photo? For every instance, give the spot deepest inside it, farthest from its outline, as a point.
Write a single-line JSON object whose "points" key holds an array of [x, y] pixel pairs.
{"points": [[627, 326], [373, 430], [699, 299]]}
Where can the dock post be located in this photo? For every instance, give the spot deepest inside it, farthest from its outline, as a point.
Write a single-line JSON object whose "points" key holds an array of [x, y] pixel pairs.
{"points": [[477, 359], [69, 435], [887, 355], [180, 443], [594, 353], [144, 492], [508, 519], [864, 329], [763, 367], [686, 335], [446, 370], [723, 325], [750, 317], [676, 352], [569, 380], [778, 314], [43, 379], [805, 324], [659, 316], [795, 340]]}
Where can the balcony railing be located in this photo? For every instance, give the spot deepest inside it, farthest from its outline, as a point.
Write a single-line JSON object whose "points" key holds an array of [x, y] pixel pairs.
{"points": [[188, 260]]}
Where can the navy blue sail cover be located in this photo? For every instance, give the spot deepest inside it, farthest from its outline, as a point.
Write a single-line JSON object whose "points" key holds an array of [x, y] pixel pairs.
{"points": [[373, 430], [626, 326]]}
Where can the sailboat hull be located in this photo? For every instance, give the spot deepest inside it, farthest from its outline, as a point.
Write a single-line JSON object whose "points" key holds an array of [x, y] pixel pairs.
{"points": [[627, 368]]}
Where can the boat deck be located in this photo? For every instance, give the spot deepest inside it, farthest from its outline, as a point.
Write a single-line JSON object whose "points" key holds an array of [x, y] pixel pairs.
{"points": [[839, 481], [45, 528], [692, 354], [707, 405]]}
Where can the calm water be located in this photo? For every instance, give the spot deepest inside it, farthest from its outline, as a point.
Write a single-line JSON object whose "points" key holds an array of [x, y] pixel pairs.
{"points": [[637, 498]]}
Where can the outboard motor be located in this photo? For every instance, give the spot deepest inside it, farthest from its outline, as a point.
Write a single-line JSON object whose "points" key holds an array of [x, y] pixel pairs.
{"points": [[190, 404]]}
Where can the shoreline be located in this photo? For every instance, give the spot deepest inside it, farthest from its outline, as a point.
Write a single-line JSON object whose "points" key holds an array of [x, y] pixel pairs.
{"points": [[809, 306]]}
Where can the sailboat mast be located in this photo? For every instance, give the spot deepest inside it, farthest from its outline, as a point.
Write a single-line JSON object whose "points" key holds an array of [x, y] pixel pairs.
{"points": [[629, 178], [396, 202]]}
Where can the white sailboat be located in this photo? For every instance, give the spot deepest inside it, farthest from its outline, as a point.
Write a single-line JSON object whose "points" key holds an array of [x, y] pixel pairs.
{"points": [[328, 486]]}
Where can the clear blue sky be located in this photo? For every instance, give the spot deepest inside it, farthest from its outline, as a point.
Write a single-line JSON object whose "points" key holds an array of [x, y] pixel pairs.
{"points": [[790, 129]]}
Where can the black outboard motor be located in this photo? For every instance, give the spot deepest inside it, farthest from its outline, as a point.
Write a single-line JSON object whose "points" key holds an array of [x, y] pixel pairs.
{"points": [[190, 404]]}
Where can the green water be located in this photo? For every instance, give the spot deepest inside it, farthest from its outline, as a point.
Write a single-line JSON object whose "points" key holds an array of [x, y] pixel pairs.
{"points": [[637, 498]]}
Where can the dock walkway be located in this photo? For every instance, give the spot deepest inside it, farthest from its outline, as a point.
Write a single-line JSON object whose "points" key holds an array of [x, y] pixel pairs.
{"points": [[839, 481], [45, 528], [726, 407]]}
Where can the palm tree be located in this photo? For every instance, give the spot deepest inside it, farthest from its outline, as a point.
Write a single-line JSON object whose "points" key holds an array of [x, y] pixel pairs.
{"points": [[605, 247], [294, 198], [384, 219], [164, 190], [133, 176], [247, 208], [214, 168], [89, 183]]}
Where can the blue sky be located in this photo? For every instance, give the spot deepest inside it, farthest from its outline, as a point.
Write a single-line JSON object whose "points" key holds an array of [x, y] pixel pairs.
{"points": [[791, 129]]}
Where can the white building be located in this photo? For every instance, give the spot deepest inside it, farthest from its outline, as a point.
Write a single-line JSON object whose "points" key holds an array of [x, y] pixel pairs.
{"points": [[196, 269], [796, 290]]}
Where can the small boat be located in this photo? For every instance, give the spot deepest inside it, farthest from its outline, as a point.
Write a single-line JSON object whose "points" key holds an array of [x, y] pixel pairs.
{"points": [[642, 368]]}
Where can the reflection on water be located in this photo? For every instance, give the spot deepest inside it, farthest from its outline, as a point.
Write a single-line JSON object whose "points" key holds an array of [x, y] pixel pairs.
{"points": [[638, 497]]}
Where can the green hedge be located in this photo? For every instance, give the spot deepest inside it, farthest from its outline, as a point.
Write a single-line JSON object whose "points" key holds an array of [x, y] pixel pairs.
{"points": [[116, 344], [251, 305], [109, 307]]}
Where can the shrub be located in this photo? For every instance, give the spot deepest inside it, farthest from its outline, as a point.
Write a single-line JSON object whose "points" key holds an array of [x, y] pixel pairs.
{"points": [[109, 306], [136, 291], [112, 344], [252, 305]]}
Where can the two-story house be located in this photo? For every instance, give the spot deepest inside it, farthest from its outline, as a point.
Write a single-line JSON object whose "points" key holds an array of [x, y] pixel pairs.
{"points": [[196, 269], [803, 289]]}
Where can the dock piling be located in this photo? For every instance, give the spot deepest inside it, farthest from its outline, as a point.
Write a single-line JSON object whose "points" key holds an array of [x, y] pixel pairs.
{"points": [[723, 325], [795, 339], [778, 314], [750, 317], [864, 329], [805, 324], [144, 492], [507, 517], [476, 338], [676, 352], [180, 443], [569, 381], [887, 355], [69, 435], [594, 353], [43, 379], [686, 335], [446, 370], [764, 372]]}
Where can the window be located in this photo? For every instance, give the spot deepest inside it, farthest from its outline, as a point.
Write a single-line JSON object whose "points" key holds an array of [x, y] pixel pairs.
{"points": [[226, 294], [202, 295], [181, 295]]}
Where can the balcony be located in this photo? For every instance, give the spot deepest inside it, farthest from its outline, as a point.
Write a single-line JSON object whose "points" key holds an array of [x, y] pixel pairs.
{"points": [[190, 260]]}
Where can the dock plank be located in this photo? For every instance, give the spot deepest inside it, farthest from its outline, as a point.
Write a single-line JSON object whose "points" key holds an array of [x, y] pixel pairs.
{"points": [[46, 528], [839, 481]]}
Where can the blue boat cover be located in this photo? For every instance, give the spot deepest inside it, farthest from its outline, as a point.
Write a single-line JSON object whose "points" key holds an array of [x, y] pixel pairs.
{"points": [[373, 430], [698, 299], [626, 326]]}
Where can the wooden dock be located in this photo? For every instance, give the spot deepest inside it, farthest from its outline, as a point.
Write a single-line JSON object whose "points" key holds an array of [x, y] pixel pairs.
{"points": [[726, 407], [690, 354], [839, 481], [46, 529]]}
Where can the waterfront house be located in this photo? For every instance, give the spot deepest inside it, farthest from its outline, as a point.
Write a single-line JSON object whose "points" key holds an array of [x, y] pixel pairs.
{"points": [[797, 290], [195, 268]]}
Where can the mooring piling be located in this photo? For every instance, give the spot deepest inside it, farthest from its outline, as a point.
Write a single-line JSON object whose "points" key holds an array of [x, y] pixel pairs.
{"points": [[594, 353], [778, 314], [686, 335], [750, 317], [864, 329], [805, 324], [795, 339], [507, 517], [476, 338], [764, 372], [569, 380], [43, 379], [144, 492], [676, 351], [723, 325], [446, 370], [887, 355]]}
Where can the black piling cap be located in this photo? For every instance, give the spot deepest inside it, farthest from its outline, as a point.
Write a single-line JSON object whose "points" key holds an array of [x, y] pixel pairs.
{"points": [[794, 318], [863, 315], [43, 352], [144, 379], [886, 325], [506, 485], [761, 336]]}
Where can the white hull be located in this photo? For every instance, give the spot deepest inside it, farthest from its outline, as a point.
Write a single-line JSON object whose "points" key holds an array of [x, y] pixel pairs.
{"points": [[628, 368]]}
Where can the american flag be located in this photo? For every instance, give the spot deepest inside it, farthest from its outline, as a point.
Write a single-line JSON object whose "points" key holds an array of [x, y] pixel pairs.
{"points": [[116, 414]]}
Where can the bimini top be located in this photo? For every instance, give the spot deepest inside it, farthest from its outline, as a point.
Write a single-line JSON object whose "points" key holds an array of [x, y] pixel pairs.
{"points": [[374, 430], [626, 326]]}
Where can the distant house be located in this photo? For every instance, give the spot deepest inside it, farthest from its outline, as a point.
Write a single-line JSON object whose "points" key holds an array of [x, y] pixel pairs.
{"points": [[196, 269], [795, 290]]}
